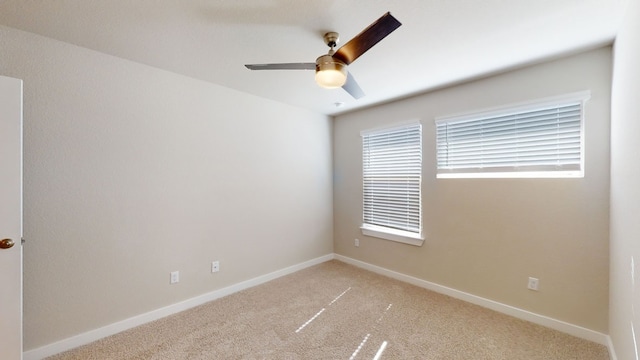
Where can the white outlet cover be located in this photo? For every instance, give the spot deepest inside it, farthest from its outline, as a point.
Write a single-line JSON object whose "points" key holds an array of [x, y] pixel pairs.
{"points": [[175, 277], [533, 284]]}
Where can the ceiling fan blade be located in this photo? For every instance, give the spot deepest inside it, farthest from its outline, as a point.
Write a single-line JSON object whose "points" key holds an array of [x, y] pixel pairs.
{"points": [[283, 66], [364, 41], [352, 87]]}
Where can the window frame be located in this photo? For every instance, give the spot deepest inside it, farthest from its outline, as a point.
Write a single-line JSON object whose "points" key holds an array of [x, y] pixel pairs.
{"points": [[512, 109], [384, 232]]}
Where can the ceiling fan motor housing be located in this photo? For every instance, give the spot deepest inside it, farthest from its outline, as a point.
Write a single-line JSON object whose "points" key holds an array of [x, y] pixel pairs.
{"points": [[330, 73]]}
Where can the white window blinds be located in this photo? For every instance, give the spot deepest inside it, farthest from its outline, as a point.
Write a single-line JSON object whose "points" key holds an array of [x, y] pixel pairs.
{"points": [[538, 138], [392, 170]]}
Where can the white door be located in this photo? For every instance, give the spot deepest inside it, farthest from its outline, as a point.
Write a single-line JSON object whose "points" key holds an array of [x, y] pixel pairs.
{"points": [[10, 218]]}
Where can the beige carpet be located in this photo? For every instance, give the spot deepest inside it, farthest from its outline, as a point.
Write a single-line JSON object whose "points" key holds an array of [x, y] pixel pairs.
{"points": [[337, 311]]}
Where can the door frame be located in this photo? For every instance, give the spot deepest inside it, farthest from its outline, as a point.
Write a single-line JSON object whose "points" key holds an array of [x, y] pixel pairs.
{"points": [[11, 327]]}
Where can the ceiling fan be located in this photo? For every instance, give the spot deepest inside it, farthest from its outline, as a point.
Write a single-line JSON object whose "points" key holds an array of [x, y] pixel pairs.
{"points": [[331, 69]]}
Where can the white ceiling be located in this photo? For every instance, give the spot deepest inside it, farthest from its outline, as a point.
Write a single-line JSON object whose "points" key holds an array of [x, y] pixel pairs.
{"points": [[440, 42]]}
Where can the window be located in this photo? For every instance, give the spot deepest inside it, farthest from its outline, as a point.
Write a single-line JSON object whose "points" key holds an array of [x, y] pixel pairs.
{"points": [[392, 173], [540, 139]]}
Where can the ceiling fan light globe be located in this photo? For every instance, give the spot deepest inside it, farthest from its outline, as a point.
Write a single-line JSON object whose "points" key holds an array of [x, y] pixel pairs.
{"points": [[331, 79], [330, 73]]}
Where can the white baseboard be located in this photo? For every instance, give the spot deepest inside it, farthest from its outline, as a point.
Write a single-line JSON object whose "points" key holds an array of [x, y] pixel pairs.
{"points": [[612, 350], [546, 321], [97, 334]]}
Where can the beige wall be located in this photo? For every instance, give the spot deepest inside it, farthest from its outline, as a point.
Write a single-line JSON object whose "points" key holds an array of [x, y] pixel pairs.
{"points": [[131, 172], [624, 315], [487, 236]]}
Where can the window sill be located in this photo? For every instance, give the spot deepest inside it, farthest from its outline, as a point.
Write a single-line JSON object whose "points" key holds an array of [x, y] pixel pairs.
{"points": [[400, 236], [513, 175]]}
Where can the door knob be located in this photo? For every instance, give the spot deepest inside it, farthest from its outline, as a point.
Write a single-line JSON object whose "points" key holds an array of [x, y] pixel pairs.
{"points": [[6, 243]]}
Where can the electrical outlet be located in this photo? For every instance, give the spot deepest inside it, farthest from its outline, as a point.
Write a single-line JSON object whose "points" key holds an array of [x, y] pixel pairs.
{"points": [[533, 284], [215, 266], [356, 243], [175, 277]]}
